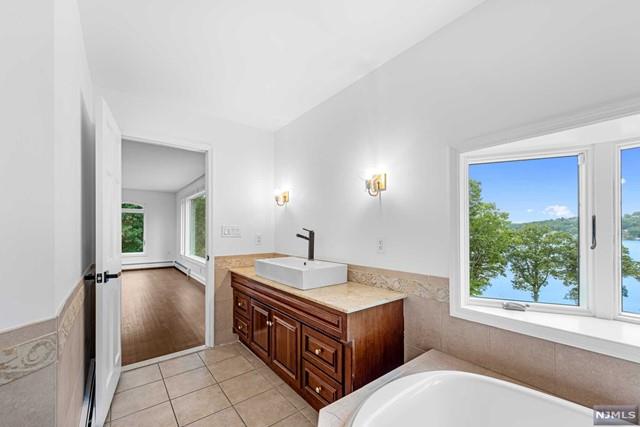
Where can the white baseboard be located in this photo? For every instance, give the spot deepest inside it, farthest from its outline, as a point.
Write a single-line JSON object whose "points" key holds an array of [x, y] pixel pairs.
{"points": [[144, 265]]}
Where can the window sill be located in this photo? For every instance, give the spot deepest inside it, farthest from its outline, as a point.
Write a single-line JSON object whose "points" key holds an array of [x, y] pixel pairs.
{"points": [[196, 260], [611, 337], [133, 254]]}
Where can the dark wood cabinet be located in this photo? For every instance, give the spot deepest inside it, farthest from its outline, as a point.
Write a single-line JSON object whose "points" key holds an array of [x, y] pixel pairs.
{"points": [[260, 330], [285, 347], [320, 352]]}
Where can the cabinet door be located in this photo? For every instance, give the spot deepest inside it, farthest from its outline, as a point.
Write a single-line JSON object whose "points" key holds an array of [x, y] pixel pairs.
{"points": [[285, 347], [260, 330]]}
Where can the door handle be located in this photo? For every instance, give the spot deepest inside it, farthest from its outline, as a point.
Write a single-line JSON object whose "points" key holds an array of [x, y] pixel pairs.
{"points": [[108, 276], [594, 241]]}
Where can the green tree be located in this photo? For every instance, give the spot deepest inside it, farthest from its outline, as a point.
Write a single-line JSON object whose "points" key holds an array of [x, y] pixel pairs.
{"points": [[132, 232], [630, 268], [489, 236], [569, 271], [535, 254]]}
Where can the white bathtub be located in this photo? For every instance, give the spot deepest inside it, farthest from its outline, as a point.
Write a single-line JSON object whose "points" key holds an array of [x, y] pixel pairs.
{"points": [[460, 399]]}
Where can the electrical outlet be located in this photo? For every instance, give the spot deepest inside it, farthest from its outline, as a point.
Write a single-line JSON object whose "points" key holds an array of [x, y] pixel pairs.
{"points": [[258, 239], [380, 245]]}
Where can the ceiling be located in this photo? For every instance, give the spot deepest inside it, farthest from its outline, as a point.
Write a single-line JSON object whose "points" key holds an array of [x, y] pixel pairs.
{"points": [[260, 63], [158, 168]]}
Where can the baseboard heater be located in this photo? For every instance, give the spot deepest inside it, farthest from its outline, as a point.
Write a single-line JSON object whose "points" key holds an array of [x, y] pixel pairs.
{"points": [[87, 414], [186, 270]]}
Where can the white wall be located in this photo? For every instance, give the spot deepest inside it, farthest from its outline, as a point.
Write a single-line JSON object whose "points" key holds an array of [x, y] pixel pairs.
{"points": [[73, 154], [504, 65], [26, 120], [159, 225], [45, 117], [197, 269], [242, 170]]}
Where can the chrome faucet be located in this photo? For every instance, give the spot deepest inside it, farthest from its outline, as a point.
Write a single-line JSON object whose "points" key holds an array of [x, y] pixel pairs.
{"points": [[311, 238]]}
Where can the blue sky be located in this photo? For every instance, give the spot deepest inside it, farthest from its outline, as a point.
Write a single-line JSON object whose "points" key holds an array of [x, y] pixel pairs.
{"points": [[539, 189], [531, 190], [630, 168]]}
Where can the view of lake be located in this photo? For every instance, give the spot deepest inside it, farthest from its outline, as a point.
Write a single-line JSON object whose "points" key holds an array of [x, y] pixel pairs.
{"points": [[555, 291]]}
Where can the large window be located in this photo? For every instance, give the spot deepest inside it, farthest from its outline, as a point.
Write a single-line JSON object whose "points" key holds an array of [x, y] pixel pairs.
{"points": [[540, 230], [524, 230], [132, 229], [194, 230], [630, 229]]}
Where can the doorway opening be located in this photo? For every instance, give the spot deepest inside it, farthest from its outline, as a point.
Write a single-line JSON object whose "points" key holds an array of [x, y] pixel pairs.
{"points": [[164, 218]]}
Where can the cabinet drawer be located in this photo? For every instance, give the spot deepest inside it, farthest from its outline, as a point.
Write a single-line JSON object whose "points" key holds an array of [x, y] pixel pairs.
{"points": [[241, 327], [322, 351], [319, 389], [241, 304]]}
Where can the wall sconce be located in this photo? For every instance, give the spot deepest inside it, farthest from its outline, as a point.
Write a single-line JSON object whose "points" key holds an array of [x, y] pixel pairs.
{"points": [[376, 184], [282, 198]]}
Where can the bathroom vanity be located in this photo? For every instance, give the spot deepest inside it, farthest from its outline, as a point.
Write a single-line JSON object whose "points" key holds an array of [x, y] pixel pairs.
{"points": [[325, 342]]}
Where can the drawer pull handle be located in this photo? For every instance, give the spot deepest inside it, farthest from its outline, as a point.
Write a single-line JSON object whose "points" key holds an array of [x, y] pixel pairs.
{"points": [[239, 327], [317, 351], [269, 323], [240, 304], [318, 389]]}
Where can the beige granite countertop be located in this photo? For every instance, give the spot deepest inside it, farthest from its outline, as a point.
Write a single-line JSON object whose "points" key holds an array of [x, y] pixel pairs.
{"points": [[347, 297], [339, 413]]}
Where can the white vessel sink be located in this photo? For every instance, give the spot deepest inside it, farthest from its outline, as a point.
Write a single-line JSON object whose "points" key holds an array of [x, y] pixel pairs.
{"points": [[301, 273]]}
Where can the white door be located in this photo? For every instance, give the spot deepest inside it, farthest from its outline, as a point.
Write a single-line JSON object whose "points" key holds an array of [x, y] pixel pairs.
{"points": [[108, 262]]}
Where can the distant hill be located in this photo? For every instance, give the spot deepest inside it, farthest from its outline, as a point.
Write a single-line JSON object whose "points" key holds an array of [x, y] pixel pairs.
{"points": [[630, 225]]}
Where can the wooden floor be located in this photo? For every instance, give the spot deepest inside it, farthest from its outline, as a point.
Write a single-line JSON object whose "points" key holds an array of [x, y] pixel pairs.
{"points": [[162, 313]]}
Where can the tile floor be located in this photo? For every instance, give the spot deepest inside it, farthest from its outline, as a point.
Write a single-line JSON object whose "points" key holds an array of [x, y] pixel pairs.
{"points": [[225, 386]]}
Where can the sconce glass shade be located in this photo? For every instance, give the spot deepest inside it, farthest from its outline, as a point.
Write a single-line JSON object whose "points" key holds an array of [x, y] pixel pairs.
{"points": [[282, 198], [376, 184]]}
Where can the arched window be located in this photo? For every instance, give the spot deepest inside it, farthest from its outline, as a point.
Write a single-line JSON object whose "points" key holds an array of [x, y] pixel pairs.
{"points": [[132, 229]]}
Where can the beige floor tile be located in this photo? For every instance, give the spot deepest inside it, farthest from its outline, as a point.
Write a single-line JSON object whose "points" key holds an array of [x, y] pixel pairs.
{"points": [[137, 399], [294, 398], [271, 376], [189, 381], [245, 386], [230, 368], [179, 365], [310, 414], [219, 353], [138, 377], [225, 418], [199, 404], [254, 360], [295, 420], [265, 409], [156, 416]]}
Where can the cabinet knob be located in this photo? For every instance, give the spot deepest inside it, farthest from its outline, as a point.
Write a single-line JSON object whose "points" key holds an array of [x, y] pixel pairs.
{"points": [[240, 327], [318, 389], [269, 323], [317, 351], [239, 304]]}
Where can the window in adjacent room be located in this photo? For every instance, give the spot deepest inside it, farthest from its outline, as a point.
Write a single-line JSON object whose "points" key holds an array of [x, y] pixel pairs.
{"points": [[132, 229], [194, 232]]}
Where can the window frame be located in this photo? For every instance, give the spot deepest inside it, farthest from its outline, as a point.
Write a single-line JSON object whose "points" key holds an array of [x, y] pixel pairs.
{"points": [[142, 211], [619, 148], [586, 306], [185, 206]]}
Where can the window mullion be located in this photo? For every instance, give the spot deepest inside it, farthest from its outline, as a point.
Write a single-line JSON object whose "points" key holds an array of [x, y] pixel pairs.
{"points": [[605, 255]]}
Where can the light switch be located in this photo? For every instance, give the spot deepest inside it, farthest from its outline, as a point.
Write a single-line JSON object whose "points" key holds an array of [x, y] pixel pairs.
{"points": [[230, 231]]}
